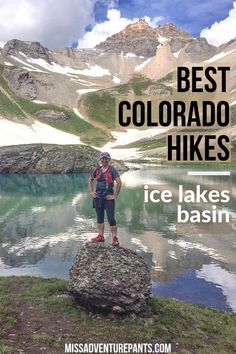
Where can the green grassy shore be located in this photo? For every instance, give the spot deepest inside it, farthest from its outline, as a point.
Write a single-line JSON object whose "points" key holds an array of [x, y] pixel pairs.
{"points": [[39, 316]]}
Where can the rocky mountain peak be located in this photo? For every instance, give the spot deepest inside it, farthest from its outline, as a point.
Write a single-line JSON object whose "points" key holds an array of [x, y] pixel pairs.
{"points": [[33, 50], [170, 30], [138, 26], [137, 29], [138, 38], [142, 39]]}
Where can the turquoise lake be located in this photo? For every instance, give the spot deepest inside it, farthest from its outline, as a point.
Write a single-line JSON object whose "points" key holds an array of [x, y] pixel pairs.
{"points": [[45, 219]]}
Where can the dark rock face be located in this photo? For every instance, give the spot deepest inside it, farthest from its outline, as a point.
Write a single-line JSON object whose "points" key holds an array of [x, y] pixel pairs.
{"points": [[199, 49], [23, 82], [138, 38], [47, 158], [110, 279], [51, 115], [31, 49], [178, 43]]}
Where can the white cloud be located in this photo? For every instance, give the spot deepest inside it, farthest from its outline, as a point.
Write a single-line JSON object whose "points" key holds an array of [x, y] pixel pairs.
{"points": [[54, 23], [101, 31], [223, 31], [114, 23]]}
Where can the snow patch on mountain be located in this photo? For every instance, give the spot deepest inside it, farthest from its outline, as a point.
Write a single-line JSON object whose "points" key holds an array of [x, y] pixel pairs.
{"points": [[131, 135], [130, 55], [219, 56], [12, 133], [116, 80], [2, 44], [127, 137], [39, 102], [94, 71], [23, 54], [8, 64], [28, 66], [176, 54], [122, 154], [83, 82], [141, 66], [162, 39], [83, 91]]}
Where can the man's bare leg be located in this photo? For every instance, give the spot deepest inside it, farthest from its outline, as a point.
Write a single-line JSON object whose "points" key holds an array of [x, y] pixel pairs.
{"points": [[113, 230], [101, 228], [115, 241]]}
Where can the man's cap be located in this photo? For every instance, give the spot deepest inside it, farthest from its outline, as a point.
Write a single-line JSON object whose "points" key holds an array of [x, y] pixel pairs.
{"points": [[105, 155]]}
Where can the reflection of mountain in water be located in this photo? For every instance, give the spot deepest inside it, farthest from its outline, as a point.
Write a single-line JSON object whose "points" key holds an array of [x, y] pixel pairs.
{"points": [[42, 185], [17, 258]]}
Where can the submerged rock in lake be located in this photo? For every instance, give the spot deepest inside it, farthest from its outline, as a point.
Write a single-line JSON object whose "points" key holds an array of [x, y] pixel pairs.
{"points": [[110, 279]]}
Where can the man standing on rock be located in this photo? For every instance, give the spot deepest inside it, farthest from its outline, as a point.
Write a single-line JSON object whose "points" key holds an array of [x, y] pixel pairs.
{"points": [[104, 196]]}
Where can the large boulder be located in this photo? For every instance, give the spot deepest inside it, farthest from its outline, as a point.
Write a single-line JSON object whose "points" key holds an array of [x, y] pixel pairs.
{"points": [[110, 279], [50, 115]]}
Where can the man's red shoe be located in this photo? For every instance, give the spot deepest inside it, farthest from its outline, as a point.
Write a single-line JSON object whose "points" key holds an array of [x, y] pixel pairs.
{"points": [[115, 241], [98, 238]]}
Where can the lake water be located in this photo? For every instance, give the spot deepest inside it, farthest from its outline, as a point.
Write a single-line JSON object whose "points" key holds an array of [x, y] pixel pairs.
{"points": [[45, 219]]}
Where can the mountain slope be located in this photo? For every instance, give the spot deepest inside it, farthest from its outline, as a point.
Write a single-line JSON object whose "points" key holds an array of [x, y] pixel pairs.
{"points": [[24, 111], [99, 106]]}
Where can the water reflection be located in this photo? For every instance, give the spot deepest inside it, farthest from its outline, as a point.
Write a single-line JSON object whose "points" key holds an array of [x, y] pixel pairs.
{"points": [[45, 219]]}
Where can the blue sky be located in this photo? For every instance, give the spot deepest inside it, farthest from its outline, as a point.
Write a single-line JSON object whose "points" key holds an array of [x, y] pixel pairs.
{"points": [[191, 15], [59, 23]]}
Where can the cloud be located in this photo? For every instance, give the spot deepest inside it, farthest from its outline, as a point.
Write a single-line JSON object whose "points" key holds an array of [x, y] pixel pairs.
{"points": [[55, 23], [223, 31], [114, 23]]}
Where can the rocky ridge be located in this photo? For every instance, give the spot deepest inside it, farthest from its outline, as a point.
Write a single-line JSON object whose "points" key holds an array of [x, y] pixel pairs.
{"points": [[49, 158], [142, 39], [34, 50]]}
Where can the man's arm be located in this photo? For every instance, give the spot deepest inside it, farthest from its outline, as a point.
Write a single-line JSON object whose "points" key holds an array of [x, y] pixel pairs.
{"points": [[91, 190], [118, 186]]}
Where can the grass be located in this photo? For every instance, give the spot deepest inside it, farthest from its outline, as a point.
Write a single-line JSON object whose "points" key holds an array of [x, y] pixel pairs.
{"points": [[21, 108], [139, 85], [100, 105], [38, 312]]}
